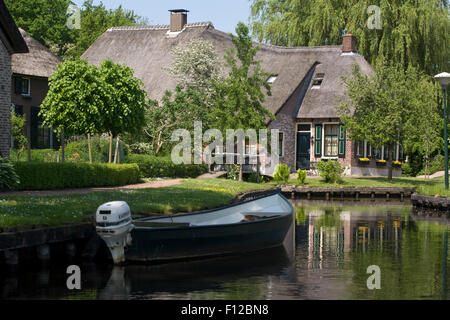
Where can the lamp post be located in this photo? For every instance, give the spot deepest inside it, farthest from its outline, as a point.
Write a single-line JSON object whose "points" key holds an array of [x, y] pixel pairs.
{"points": [[444, 80]]}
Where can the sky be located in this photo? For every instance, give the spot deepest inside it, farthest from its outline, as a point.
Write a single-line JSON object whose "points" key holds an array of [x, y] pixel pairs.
{"points": [[223, 14]]}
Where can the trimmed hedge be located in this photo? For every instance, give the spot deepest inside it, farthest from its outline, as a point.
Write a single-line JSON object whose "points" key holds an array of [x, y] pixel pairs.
{"points": [[47, 176], [162, 167]]}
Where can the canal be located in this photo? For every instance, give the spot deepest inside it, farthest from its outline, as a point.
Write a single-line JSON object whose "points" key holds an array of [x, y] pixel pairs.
{"points": [[326, 256]]}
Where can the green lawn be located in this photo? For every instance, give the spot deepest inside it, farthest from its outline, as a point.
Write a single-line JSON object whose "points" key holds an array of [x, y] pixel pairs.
{"points": [[372, 182], [191, 195]]}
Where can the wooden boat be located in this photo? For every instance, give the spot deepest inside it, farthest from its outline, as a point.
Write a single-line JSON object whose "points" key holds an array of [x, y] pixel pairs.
{"points": [[243, 227]]}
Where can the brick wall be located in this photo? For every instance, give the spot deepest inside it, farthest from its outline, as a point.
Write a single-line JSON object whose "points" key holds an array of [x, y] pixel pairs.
{"points": [[5, 100]]}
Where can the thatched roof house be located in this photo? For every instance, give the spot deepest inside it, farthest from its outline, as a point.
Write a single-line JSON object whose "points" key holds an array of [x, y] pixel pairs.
{"points": [[38, 62], [306, 88], [10, 42], [30, 86]]}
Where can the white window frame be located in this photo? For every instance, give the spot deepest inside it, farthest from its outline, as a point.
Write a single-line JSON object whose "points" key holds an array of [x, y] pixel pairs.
{"points": [[28, 94], [323, 141]]}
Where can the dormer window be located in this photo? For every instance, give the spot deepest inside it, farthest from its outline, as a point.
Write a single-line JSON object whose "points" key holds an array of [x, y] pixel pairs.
{"points": [[317, 81], [272, 79]]}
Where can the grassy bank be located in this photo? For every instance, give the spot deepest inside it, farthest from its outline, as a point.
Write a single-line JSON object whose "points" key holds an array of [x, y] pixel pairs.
{"points": [[191, 195], [371, 182]]}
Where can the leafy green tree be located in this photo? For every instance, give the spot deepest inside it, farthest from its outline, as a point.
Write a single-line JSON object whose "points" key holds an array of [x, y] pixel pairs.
{"points": [[425, 123], [239, 97], [95, 20], [45, 21], [75, 101], [412, 32], [123, 100], [385, 109], [178, 109], [196, 66], [17, 132]]}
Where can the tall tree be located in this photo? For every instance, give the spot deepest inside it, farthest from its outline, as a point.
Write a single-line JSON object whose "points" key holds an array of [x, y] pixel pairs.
{"points": [[45, 21], [240, 96], [385, 109], [75, 100], [124, 100], [196, 66], [95, 20], [178, 109], [411, 32]]}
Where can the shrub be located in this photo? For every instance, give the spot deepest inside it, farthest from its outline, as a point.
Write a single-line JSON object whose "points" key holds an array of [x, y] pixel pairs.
{"points": [[301, 176], [37, 155], [331, 171], [8, 177], [141, 148], [79, 150], [407, 171], [233, 172], [47, 176], [163, 167], [255, 178], [282, 173]]}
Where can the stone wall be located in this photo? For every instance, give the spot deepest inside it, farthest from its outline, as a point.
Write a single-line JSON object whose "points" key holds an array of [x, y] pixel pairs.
{"points": [[5, 100]]}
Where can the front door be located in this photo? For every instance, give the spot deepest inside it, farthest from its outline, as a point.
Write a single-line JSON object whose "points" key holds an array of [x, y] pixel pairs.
{"points": [[303, 147]]}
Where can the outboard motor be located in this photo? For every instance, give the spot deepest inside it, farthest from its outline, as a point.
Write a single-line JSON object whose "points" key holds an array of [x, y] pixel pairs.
{"points": [[114, 226]]}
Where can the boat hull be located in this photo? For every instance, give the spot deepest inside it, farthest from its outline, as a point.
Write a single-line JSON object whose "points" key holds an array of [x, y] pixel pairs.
{"points": [[164, 244]]}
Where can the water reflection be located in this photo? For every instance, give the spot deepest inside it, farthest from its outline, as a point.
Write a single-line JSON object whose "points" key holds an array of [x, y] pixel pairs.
{"points": [[325, 256]]}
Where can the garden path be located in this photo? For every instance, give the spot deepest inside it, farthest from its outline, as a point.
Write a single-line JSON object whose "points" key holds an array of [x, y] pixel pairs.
{"points": [[147, 185]]}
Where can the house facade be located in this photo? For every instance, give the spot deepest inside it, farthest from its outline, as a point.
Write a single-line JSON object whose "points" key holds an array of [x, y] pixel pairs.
{"points": [[11, 42], [306, 86], [29, 87]]}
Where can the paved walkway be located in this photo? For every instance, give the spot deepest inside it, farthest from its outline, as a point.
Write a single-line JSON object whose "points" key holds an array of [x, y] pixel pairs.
{"points": [[147, 185], [212, 175], [434, 175]]}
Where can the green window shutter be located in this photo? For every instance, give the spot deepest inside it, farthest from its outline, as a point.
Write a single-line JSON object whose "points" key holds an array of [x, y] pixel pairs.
{"points": [[318, 138], [341, 141]]}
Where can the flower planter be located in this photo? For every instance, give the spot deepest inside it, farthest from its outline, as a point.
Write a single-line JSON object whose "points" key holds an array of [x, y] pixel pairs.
{"points": [[381, 164], [363, 161]]}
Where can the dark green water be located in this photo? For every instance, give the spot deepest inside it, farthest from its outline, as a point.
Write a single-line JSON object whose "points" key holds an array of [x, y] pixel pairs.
{"points": [[325, 257]]}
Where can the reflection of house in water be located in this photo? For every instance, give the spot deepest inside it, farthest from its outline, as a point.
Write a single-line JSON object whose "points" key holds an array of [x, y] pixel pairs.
{"points": [[336, 232]]}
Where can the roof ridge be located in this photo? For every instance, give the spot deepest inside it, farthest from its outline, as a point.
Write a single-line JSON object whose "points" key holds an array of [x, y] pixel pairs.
{"points": [[159, 27], [271, 46]]}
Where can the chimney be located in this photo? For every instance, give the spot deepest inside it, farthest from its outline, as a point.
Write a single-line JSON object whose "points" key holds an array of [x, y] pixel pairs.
{"points": [[178, 19], [349, 44]]}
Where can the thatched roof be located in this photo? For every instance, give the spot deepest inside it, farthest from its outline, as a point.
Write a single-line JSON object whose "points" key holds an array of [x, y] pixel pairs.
{"points": [[147, 51], [9, 34], [39, 62]]}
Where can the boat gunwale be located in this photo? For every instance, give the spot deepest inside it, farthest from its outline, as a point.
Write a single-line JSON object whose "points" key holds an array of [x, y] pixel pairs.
{"points": [[280, 216]]}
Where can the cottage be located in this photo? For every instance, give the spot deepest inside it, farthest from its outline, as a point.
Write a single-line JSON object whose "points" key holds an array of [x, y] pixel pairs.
{"points": [[11, 42], [306, 86], [30, 86]]}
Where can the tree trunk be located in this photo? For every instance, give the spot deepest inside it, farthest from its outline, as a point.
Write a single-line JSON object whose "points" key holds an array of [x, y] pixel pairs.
{"points": [[391, 154], [63, 142], [241, 168], [29, 143], [257, 163], [90, 148], [116, 152], [110, 148]]}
